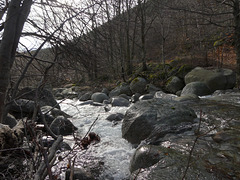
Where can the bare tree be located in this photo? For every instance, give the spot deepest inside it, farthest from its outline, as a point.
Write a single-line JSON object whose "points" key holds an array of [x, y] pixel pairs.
{"points": [[17, 14]]}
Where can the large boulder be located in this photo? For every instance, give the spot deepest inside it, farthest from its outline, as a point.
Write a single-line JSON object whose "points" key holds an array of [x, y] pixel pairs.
{"points": [[198, 88], [120, 101], [154, 118], [217, 79], [85, 97], [156, 162], [62, 126], [174, 84], [22, 108], [145, 156], [45, 96], [138, 85], [124, 88], [51, 113], [99, 97]]}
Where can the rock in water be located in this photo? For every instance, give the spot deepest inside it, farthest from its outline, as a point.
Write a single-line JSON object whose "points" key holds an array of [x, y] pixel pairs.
{"points": [[145, 117], [62, 126], [99, 97]]}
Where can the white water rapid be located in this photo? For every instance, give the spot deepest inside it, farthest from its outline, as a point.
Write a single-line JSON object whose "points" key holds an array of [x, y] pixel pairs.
{"points": [[113, 151]]}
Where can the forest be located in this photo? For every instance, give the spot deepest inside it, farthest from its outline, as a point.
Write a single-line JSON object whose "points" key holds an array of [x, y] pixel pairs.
{"points": [[108, 40]]}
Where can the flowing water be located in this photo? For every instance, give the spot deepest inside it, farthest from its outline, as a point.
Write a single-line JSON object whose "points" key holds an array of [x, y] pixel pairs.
{"points": [[111, 156]]}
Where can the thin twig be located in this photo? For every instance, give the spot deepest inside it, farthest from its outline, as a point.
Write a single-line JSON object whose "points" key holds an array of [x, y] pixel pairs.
{"points": [[91, 126], [194, 143], [52, 151]]}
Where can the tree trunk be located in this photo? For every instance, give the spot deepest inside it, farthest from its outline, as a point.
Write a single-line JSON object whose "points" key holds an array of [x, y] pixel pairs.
{"points": [[236, 11], [16, 16]]}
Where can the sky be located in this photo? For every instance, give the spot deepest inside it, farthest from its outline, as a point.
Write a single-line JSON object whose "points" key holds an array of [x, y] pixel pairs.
{"points": [[32, 43]]}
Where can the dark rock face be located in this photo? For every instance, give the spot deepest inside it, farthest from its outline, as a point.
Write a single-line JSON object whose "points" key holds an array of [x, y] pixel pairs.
{"points": [[62, 126], [146, 117], [45, 97]]}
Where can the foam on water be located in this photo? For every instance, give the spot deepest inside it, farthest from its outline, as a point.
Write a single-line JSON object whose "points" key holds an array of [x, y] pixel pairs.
{"points": [[115, 151]]}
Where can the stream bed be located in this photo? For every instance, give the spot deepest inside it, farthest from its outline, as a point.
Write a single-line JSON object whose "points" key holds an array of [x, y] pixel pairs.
{"points": [[215, 155]]}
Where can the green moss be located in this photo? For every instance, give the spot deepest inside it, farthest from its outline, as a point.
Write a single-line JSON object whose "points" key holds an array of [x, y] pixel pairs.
{"points": [[135, 80], [183, 70], [169, 80]]}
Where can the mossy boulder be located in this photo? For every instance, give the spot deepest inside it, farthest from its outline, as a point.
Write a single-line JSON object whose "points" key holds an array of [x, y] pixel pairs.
{"points": [[138, 85], [216, 79], [123, 88], [174, 84]]}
